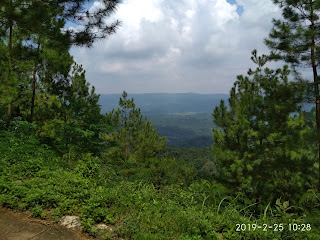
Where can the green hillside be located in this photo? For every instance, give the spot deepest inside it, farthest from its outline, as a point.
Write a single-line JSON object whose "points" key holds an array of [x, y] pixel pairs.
{"points": [[184, 118], [187, 129]]}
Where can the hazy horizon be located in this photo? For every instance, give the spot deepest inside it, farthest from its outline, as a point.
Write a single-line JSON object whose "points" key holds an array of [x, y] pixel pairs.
{"points": [[129, 93]]}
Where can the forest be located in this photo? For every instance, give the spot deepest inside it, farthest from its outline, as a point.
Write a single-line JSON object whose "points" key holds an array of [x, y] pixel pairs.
{"points": [[185, 119], [60, 155]]}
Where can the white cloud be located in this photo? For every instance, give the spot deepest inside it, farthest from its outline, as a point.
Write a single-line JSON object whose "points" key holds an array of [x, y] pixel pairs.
{"points": [[178, 46]]}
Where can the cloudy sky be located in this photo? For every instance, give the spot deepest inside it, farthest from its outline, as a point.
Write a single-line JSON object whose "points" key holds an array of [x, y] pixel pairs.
{"points": [[176, 46]]}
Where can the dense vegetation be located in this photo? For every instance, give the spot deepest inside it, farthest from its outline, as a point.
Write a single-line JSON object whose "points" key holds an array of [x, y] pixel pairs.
{"points": [[185, 119], [59, 155], [185, 129]]}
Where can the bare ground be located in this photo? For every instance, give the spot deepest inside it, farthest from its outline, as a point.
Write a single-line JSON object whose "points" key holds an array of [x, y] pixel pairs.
{"points": [[20, 226]]}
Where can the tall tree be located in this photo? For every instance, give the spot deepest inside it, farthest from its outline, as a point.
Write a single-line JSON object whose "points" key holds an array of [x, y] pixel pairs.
{"points": [[71, 123], [9, 16], [258, 145], [295, 39], [36, 25]]}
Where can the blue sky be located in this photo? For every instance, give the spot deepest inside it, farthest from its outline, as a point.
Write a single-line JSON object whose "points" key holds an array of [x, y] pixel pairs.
{"points": [[178, 45], [239, 7]]}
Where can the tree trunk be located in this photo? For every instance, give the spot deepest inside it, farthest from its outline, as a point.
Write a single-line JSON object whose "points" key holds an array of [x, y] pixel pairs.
{"points": [[34, 87], [33, 92], [10, 63], [316, 88]]}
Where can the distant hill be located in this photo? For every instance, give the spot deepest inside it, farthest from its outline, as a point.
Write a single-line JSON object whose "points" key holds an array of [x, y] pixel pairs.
{"points": [[185, 129], [184, 118], [162, 103]]}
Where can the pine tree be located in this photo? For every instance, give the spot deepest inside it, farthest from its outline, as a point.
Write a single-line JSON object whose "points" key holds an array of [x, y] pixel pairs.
{"points": [[91, 25], [71, 123], [10, 15], [296, 41], [258, 145], [30, 28], [134, 134]]}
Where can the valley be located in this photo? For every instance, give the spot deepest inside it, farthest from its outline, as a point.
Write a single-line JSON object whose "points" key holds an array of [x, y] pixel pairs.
{"points": [[184, 118]]}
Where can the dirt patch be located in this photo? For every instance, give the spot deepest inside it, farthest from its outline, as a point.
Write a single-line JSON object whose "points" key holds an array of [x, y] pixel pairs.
{"points": [[19, 226]]}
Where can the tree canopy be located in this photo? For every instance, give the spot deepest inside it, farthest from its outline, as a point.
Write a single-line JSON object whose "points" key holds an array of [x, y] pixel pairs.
{"points": [[259, 143], [295, 40]]}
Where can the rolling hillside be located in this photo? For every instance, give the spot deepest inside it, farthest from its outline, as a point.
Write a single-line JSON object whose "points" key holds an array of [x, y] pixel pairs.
{"points": [[184, 118]]}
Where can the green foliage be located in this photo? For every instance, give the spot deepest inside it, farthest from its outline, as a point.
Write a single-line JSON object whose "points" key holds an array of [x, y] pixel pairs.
{"points": [[113, 169], [259, 146], [38, 212], [164, 171], [18, 144], [200, 158], [71, 122], [138, 209], [137, 150], [39, 81], [189, 129], [36, 58], [88, 166], [294, 39], [310, 201], [134, 134]]}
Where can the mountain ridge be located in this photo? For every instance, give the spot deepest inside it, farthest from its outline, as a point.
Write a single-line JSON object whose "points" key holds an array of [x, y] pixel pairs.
{"points": [[162, 103]]}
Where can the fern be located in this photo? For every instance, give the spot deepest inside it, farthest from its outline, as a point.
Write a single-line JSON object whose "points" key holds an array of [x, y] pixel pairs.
{"points": [[310, 199]]}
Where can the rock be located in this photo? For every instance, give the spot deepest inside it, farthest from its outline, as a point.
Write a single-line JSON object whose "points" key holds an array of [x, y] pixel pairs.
{"points": [[104, 227], [72, 222]]}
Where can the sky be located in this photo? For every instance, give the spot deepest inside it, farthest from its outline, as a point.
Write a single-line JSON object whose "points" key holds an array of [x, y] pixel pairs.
{"points": [[178, 46]]}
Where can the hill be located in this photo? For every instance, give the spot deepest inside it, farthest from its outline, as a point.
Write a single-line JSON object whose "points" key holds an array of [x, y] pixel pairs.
{"points": [[184, 118], [162, 103]]}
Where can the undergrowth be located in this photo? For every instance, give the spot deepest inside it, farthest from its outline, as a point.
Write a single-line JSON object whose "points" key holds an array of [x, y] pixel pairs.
{"points": [[41, 181]]}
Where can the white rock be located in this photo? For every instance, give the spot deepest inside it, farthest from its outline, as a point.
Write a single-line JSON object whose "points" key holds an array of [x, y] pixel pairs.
{"points": [[102, 226], [72, 222]]}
